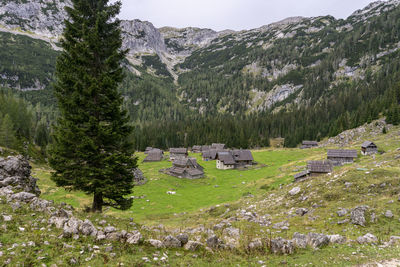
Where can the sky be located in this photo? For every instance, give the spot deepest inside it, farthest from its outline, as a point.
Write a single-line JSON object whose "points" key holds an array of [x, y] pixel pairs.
{"points": [[232, 14]]}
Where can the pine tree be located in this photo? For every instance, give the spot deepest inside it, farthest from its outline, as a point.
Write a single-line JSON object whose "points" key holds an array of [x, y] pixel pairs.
{"points": [[91, 150], [7, 134]]}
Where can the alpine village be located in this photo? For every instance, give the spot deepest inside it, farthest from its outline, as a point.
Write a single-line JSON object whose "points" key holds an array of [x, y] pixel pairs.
{"points": [[124, 144]]}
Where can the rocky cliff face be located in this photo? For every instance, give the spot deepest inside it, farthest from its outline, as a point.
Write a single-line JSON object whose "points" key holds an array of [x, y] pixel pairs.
{"points": [[183, 50], [42, 17], [142, 37]]}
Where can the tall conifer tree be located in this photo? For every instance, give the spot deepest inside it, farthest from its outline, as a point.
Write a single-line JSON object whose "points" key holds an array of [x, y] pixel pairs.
{"points": [[91, 150]]}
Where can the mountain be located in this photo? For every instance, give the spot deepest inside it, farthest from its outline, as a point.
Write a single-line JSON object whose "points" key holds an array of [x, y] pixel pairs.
{"points": [[192, 74]]}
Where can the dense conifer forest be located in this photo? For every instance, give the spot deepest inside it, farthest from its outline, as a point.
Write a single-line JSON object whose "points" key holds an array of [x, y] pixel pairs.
{"points": [[213, 98]]}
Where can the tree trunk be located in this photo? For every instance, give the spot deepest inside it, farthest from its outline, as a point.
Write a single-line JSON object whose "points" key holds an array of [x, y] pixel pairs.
{"points": [[97, 202]]}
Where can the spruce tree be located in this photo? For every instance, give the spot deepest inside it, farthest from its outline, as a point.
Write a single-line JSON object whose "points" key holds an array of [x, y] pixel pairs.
{"points": [[91, 151]]}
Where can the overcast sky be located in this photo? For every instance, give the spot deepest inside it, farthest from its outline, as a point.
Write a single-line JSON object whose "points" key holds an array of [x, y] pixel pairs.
{"points": [[232, 14]]}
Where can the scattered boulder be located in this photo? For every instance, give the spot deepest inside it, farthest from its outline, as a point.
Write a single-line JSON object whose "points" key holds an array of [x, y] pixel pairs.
{"points": [[133, 238], [294, 191], [193, 245], [7, 218], [301, 211], [23, 196], [16, 172], [317, 240], [358, 215], [299, 240], [156, 243], [232, 232], [337, 239], [367, 239], [281, 226], [342, 212], [71, 227], [214, 242], [282, 246], [255, 244], [171, 242], [138, 177], [389, 214], [58, 221], [184, 238], [109, 229], [114, 236], [87, 228]]}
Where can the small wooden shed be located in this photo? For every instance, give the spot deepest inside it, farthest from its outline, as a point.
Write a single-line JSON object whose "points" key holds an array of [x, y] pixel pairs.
{"points": [[225, 161], [196, 149], [301, 176], [186, 168], [341, 156], [316, 168], [154, 155], [369, 148], [309, 144], [243, 158], [178, 153]]}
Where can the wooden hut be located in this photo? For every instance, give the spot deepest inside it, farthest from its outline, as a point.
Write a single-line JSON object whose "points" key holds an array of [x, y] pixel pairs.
{"points": [[316, 168], [205, 148], [178, 153], [309, 144], [211, 154], [154, 155], [186, 168], [196, 149], [341, 156], [243, 158], [225, 161], [301, 176], [369, 148]]}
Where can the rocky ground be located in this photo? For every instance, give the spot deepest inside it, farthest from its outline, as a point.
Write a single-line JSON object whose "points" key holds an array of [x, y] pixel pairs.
{"points": [[353, 212]]}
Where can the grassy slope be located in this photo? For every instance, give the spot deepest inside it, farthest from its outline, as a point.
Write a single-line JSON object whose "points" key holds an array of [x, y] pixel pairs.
{"points": [[192, 195], [328, 192]]}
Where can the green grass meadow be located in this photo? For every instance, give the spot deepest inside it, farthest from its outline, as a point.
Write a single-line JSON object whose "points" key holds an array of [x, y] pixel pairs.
{"points": [[274, 167]]}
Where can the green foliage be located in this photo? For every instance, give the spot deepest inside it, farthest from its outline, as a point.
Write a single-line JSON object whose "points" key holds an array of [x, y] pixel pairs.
{"points": [[91, 151]]}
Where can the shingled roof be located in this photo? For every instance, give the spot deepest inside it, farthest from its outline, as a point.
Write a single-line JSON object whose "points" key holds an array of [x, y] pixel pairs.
{"points": [[154, 155], [242, 155], [319, 166], [310, 143], [301, 174], [226, 158], [178, 150], [342, 153], [367, 144]]}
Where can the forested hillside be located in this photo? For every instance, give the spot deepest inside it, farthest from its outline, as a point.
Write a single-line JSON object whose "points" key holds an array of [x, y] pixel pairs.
{"points": [[301, 78]]}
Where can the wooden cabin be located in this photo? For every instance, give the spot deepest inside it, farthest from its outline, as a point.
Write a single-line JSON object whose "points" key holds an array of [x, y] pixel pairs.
{"points": [[178, 153], [317, 168], [196, 149], [225, 161], [301, 176], [243, 158], [234, 159], [369, 148], [309, 144], [154, 155], [186, 168], [205, 148], [341, 156], [211, 154]]}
